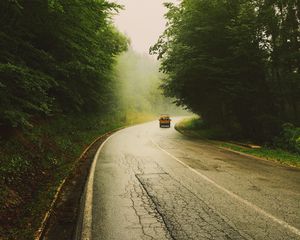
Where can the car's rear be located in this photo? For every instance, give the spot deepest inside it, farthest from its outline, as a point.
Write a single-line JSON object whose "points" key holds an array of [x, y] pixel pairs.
{"points": [[164, 121]]}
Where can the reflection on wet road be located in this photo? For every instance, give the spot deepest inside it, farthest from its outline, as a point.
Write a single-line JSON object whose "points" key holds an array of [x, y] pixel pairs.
{"points": [[153, 183]]}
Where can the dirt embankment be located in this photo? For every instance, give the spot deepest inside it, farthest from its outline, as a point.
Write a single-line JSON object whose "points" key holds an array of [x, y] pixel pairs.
{"points": [[63, 217]]}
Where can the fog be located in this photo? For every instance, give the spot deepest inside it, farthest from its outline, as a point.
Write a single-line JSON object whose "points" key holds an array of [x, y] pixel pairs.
{"points": [[142, 21], [139, 85], [139, 79]]}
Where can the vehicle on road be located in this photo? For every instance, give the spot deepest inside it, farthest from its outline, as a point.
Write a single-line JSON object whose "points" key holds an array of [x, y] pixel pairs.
{"points": [[164, 120]]}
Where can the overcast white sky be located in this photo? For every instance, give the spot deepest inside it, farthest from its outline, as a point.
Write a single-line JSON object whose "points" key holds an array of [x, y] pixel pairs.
{"points": [[142, 21]]}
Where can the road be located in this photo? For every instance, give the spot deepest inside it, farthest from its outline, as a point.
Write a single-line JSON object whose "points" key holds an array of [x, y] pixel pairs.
{"points": [[152, 183]]}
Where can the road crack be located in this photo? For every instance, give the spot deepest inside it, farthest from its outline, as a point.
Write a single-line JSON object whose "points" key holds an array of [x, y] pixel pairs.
{"points": [[185, 215], [155, 206]]}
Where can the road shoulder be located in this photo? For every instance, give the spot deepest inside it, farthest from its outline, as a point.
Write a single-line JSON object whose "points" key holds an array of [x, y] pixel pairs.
{"points": [[258, 153]]}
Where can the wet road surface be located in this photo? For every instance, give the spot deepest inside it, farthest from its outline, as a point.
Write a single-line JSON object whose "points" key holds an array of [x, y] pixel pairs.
{"points": [[152, 183]]}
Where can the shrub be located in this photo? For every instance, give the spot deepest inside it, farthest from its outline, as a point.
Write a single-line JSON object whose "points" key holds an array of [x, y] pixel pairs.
{"points": [[289, 138]]}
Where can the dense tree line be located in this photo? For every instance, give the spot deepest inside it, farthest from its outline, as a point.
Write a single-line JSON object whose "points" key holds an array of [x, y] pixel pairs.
{"points": [[56, 57], [234, 62]]}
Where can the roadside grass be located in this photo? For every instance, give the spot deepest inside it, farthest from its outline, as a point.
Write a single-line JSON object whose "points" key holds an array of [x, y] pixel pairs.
{"points": [[33, 164], [279, 155], [194, 127]]}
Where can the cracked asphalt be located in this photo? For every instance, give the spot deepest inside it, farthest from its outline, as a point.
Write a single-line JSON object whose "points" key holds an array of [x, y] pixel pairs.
{"points": [[153, 183]]}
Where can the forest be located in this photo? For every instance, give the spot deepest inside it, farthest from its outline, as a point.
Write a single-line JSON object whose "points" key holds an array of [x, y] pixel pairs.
{"points": [[67, 75], [56, 62], [56, 58], [236, 64]]}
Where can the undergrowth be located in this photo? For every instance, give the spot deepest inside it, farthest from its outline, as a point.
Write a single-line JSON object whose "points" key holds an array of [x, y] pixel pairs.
{"points": [[34, 162]]}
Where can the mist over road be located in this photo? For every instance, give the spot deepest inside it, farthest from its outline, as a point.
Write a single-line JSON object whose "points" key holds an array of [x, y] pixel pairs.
{"points": [[153, 183]]}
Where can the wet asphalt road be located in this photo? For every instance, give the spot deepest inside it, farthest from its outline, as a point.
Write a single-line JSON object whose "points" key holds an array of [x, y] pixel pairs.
{"points": [[152, 183]]}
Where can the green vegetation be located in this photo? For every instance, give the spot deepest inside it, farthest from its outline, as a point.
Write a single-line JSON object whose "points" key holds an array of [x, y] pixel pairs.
{"points": [[235, 63], [34, 162], [195, 127], [279, 155], [66, 78], [63, 82], [289, 138], [56, 68], [56, 58]]}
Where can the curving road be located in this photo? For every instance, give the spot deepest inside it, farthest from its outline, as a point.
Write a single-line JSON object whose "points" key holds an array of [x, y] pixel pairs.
{"points": [[152, 183]]}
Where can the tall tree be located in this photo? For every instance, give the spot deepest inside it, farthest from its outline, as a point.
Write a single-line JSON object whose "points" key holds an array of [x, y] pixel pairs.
{"points": [[56, 56], [234, 62]]}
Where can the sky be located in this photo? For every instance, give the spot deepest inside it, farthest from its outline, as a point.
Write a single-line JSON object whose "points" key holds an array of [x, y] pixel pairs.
{"points": [[142, 21]]}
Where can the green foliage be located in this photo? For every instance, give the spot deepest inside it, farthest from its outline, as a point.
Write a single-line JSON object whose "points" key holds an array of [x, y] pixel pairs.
{"points": [[277, 154], [56, 57], [35, 161], [195, 127], [13, 169], [289, 138], [235, 63], [23, 92]]}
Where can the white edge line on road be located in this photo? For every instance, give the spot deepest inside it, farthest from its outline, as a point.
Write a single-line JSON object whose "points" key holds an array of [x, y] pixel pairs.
{"points": [[86, 233], [247, 203]]}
